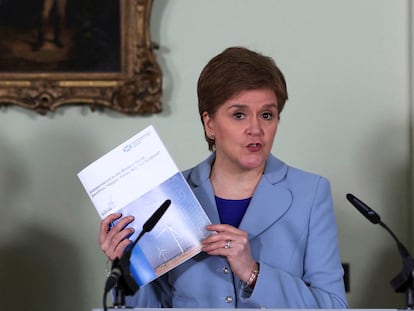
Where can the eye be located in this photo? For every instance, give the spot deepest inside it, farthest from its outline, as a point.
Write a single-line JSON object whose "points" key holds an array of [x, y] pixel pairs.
{"points": [[267, 115], [239, 115]]}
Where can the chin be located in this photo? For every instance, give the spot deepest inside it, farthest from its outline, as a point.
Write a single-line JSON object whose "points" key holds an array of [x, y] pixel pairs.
{"points": [[254, 164]]}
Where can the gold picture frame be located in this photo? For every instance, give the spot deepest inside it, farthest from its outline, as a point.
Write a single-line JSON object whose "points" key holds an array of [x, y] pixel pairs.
{"points": [[135, 88]]}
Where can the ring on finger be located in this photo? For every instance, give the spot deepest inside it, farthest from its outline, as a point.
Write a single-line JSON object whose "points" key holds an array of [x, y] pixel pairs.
{"points": [[227, 244]]}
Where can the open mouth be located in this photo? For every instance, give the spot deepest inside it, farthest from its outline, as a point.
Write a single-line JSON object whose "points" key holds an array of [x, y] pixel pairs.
{"points": [[254, 147]]}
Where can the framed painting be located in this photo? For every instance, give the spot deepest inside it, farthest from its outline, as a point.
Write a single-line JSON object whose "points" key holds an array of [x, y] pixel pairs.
{"points": [[97, 53]]}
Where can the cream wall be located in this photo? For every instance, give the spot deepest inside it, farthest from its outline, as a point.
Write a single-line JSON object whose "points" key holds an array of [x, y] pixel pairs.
{"points": [[348, 118]]}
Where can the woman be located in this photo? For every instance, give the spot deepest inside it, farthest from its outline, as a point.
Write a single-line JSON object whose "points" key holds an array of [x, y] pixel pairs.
{"points": [[276, 243]]}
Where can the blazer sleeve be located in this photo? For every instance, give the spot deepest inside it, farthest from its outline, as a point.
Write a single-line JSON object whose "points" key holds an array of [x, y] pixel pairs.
{"points": [[321, 285]]}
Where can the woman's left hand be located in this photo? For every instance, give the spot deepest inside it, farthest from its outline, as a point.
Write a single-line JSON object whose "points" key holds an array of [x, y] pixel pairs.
{"points": [[234, 244]]}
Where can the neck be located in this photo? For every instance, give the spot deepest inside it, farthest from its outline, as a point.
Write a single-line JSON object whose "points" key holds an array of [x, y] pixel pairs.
{"points": [[234, 185]]}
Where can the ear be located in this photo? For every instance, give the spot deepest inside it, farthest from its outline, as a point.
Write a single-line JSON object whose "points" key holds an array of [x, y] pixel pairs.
{"points": [[208, 123]]}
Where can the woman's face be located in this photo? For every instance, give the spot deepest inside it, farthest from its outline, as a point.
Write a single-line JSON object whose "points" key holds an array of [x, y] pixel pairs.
{"points": [[244, 128]]}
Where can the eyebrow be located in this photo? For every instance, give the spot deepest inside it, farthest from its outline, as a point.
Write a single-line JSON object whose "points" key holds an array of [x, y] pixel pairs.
{"points": [[241, 106]]}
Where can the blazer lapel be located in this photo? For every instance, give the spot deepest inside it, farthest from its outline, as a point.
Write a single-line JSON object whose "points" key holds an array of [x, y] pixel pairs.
{"points": [[199, 180], [270, 201], [205, 195]]}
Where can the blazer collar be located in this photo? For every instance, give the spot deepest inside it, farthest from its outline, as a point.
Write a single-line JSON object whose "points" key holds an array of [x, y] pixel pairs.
{"points": [[269, 203]]}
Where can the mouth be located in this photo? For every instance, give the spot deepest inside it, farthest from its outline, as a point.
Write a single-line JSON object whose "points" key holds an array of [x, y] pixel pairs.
{"points": [[254, 147]]}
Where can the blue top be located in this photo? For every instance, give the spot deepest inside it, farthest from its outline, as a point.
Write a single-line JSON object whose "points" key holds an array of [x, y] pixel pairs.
{"points": [[231, 211]]}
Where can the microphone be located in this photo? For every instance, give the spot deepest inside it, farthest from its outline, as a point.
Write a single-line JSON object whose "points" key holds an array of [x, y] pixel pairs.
{"points": [[364, 209], [151, 222], [403, 282], [155, 218], [120, 272], [116, 273], [373, 217]]}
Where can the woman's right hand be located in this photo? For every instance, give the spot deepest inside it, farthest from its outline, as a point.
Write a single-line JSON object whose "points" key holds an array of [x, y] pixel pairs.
{"points": [[113, 241]]}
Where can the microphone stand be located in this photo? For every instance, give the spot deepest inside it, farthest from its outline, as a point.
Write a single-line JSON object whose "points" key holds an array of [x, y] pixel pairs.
{"points": [[403, 281], [121, 278], [126, 284]]}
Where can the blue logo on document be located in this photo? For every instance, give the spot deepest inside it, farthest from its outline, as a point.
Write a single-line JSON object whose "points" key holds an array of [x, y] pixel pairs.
{"points": [[127, 148], [135, 143]]}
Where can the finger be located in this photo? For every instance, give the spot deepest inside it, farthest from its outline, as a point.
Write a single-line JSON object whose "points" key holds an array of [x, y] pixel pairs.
{"points": [[230, 252], [230, 246], [119, 236], [105, 225], [221, 246], [114, 247], [110, 239], [230, 233], [220, 237], [223, 228], [122, 224], [119, 249], [107, 231]]}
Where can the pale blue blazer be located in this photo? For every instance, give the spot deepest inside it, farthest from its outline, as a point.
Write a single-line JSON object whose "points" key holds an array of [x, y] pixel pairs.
{"points": [[293, 234]]}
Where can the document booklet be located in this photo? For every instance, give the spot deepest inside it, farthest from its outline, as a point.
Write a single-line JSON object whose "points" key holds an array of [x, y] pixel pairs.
{"points": [[136, 178]]}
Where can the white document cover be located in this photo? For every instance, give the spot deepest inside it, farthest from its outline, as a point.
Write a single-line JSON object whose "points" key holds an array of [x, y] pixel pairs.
{"points": [[135, 178]]}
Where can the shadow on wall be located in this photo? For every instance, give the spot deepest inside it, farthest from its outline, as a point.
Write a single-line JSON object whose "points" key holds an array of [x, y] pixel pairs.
{"points": [[378, 293], [39, 268], [36, 270]]}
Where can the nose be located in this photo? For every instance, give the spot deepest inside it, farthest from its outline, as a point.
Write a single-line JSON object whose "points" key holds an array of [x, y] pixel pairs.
{"points": [[254, 128]]}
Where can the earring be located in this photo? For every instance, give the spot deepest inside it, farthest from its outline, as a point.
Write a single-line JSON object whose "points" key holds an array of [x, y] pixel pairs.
{"points": [[211, 136]]}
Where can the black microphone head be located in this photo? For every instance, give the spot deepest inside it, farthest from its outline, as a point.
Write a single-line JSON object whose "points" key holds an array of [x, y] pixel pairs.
{"points": [[148, 226], [365, 210], [113, 278], [153, 220]]}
